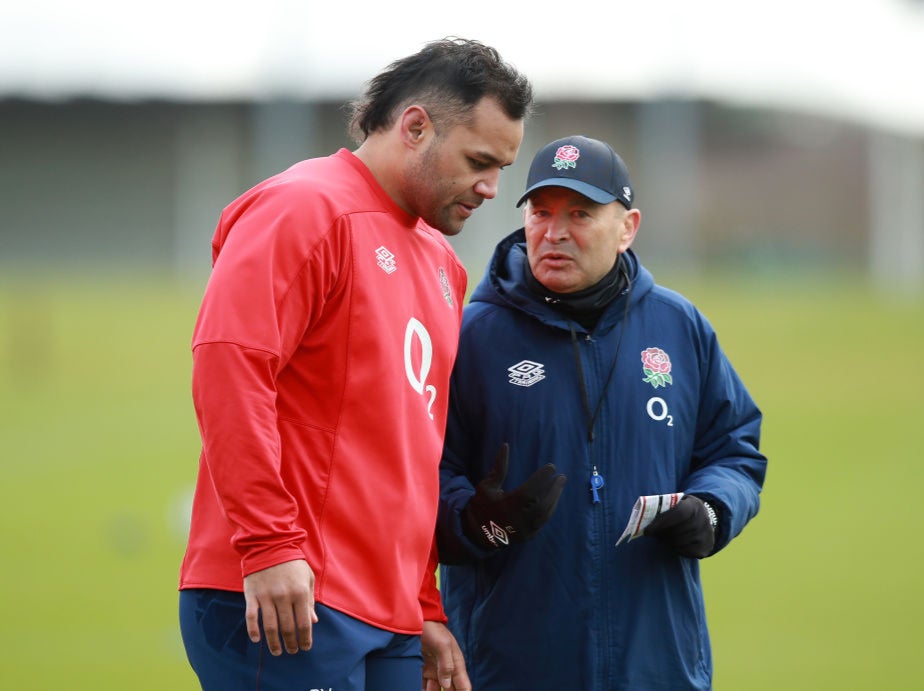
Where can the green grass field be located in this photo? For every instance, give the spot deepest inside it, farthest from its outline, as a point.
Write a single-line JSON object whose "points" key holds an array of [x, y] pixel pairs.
{"points": [[98, 446]]}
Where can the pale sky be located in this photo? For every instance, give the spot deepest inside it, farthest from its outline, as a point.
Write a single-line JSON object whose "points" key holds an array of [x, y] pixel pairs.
{"points": [[857, 58]]}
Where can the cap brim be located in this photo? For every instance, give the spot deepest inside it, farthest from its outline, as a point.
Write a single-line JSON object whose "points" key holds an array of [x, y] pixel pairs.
{"points": [[595, 194]]}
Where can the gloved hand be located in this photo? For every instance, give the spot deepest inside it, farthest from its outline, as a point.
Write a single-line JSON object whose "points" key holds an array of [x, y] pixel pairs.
{"points": [[688, 528], [493, 518]]}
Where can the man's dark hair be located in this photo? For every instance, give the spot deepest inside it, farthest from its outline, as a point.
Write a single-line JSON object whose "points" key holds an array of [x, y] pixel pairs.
{"points": [[449, 78]]}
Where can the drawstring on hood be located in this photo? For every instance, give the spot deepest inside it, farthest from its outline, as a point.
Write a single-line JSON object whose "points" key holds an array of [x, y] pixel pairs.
{"points": [[592, 416]]}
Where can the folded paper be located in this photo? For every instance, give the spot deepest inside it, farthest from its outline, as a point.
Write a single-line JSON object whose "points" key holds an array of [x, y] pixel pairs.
{"points": [[644, 512]]}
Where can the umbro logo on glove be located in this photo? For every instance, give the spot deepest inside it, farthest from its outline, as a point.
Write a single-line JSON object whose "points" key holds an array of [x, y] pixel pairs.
{"points": [[494, 518]]}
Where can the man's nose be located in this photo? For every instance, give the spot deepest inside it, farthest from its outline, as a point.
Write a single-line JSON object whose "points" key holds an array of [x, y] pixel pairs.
{"points": [[487, 185], [557, 229]]}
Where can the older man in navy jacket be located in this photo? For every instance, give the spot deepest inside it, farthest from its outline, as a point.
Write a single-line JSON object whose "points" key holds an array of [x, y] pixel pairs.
{"points": [[574, 363]]}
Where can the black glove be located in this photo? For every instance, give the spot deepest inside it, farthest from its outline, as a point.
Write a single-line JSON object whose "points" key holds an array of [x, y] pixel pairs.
{"points": [[493, 518], [689, 527]]}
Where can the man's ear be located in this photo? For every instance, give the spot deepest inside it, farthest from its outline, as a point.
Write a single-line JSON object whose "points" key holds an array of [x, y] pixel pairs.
{"points": [[629, 228], [415, 125]]}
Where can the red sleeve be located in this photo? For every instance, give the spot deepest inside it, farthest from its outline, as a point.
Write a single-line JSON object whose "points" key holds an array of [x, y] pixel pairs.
{"points": [[250, 323], [234, 395], [430, 601]]}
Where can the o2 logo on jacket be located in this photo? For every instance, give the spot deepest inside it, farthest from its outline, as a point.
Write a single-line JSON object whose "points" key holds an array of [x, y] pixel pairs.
{"points": [[656, 366], [415, 332], [657, 410]]}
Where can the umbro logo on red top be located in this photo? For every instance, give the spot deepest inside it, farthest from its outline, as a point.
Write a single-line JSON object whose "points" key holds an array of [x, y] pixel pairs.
{"points": [[386, 260]]}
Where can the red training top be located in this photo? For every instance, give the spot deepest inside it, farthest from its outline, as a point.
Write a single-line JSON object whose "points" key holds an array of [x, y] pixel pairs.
{"points": [[321, 362]]}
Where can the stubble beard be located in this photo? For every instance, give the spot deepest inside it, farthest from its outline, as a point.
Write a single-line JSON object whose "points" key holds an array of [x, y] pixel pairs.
{"points": [[426, 190]]}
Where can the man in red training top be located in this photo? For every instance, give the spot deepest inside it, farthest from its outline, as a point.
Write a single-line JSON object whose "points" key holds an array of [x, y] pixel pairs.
{"points": [[321, 362]]}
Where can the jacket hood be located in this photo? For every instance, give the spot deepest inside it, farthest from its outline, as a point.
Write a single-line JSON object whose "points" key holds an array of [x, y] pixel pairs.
{"points": [[504, 283]]}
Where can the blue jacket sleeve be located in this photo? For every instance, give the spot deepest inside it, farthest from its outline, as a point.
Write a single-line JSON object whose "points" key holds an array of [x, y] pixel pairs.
{"points": [[728, 469], [460, 470]]}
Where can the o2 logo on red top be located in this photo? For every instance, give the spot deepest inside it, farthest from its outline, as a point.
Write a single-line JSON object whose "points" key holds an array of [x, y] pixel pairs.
{"points": [[416, 338]]}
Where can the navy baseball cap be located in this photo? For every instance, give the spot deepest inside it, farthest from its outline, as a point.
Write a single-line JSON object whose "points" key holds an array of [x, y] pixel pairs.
{"points": [[582, 164]]}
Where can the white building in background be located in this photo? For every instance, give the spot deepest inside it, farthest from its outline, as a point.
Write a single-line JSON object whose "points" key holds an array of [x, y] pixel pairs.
{"points": [[767, 135]]}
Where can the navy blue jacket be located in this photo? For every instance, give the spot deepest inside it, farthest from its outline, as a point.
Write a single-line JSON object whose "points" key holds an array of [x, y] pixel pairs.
{"points": [[569, 609]]}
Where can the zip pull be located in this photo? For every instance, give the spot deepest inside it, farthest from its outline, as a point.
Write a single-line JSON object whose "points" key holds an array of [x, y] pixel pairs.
{"points": [[596, 482]]}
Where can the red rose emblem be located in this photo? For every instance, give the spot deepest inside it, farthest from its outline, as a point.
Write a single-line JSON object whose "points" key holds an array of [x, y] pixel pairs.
{"points": [[656, 360], [657, 367], [568, 153]]}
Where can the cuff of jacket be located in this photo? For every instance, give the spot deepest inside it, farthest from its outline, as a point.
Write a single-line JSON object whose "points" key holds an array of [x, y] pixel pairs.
{"points": [[452, 545], [721, 529]]}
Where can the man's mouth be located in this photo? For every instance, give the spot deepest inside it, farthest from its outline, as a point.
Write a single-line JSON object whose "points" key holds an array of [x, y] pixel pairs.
{"points": [[468, 208]]}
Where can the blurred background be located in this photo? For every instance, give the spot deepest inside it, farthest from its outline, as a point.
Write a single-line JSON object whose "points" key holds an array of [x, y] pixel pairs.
{"points": [[777, 151]]}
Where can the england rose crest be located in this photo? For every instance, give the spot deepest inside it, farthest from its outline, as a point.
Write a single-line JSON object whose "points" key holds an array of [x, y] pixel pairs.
{"points": [[566, 157], [657, 367]]}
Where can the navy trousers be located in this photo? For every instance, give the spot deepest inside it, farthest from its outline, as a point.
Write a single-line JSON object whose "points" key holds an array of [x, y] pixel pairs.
{"points": [[346, 655]]}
